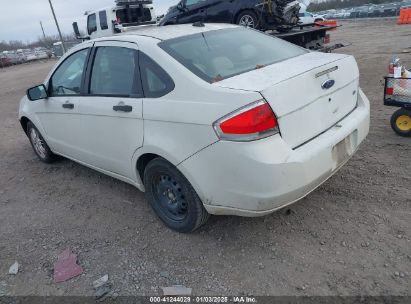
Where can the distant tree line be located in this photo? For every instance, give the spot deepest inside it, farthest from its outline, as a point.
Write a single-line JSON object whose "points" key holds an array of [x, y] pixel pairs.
{"points": [[40, 42], [338, 4]]}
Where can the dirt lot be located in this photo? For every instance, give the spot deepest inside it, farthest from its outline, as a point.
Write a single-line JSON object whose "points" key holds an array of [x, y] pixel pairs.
{"points": [[350, 237]]}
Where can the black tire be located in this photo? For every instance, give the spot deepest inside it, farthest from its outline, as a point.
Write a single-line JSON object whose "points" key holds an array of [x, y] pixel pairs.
{"points": [[248, 15], [172, 197], [401, 122], [39, 145]]}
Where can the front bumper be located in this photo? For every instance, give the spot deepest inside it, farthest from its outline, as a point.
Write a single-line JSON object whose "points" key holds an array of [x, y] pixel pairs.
{"points": [[257, 178]]}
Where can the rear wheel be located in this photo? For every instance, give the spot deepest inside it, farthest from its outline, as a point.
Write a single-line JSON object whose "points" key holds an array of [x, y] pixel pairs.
{"points": [[248, 19], [401, 122], [39, 145], [172, 197]]}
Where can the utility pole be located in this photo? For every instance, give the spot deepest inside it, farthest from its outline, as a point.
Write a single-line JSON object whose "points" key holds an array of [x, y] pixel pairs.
{"points": [[42, 29], [58, 27]]}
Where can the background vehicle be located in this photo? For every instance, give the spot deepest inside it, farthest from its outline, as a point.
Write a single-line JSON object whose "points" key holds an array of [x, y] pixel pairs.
{"points": [[124, 16], [306, 18], [244, 12], [157, 85], [5, 61], [13, 57], [29, 55], [22, 56], [279, 14], [41, 54]]}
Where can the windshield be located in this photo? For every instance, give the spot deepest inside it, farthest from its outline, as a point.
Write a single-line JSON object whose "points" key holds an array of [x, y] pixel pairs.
{"points": [[217, 55]]}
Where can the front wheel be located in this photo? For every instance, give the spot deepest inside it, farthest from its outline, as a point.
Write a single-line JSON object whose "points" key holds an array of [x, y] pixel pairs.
{"points": [[39, 145], [401, 122], [172, 197], [248, 19]]}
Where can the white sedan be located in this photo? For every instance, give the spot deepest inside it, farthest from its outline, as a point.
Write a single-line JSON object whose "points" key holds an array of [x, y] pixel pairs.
{"points": [[308, 18], [213, 119]]}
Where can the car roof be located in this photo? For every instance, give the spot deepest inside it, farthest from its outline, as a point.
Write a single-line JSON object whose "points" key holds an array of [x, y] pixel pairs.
{"points": [[175, 31]]}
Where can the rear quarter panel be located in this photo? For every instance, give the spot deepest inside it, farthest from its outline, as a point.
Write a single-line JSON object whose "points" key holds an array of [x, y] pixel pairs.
{"points": [[178, 125]]}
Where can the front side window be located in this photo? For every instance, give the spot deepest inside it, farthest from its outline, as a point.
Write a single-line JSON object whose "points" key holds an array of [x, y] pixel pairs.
{"points": [[220, 54], [91, 24], [103, 20], [115, 72], [67, 79], [156, 82]]}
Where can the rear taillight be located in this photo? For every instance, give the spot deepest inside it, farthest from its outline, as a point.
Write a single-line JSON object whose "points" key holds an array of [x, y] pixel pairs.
{"points": [[252, 122]]}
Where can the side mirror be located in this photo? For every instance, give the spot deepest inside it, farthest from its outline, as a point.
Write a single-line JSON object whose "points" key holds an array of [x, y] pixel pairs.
{"points": [[76, 30], [37, 93], [78, 34]]}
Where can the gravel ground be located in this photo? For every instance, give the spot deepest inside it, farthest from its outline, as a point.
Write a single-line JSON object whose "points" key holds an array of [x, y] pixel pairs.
{"points": [[349, 237]]}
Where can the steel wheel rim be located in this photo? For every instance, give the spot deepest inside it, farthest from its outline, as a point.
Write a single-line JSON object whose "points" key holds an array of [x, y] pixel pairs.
{"points": [[169, 195], [403, 122], [38, 144], [247, 21]]}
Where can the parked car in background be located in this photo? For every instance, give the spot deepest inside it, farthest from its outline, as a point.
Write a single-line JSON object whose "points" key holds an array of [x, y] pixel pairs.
{"points": [[319, 17], [282, 14], [29, 55], [306, 18], [257, 141], [40, 54], [22, 56], [5, 61], [12, 56]]}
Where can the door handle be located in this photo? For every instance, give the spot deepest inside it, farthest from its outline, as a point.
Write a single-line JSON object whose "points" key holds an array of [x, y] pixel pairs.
{"points": [[123, 108], [68, 105]]}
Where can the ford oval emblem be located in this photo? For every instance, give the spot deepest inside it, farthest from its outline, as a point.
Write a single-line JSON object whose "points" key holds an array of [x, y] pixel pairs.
{"points": [[328, 84]]}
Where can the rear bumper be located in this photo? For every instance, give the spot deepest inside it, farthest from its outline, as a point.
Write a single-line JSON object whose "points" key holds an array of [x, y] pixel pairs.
{"points": [[257, 178]]}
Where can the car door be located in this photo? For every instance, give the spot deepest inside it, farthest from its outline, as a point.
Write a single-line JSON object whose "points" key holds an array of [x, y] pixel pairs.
{"points": [[112, 121], [194, 10], [221, 11], [58, 114]]}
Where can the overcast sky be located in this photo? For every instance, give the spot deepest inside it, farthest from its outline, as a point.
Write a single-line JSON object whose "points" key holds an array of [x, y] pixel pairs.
{"points": [[20, 19]]}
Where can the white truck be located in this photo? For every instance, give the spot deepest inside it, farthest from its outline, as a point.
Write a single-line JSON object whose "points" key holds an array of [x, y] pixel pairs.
{"points": [[125, 15]]}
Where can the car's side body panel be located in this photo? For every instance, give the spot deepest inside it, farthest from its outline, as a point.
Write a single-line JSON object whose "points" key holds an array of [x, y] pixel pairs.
{"points": [[108, 137], [178, 125], [262, 176]]}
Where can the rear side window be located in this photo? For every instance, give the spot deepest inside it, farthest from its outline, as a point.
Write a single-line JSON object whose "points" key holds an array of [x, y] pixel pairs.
{"points": [[91, 24], [103, 20], [220, 54], [115, 73], [156, 82]]}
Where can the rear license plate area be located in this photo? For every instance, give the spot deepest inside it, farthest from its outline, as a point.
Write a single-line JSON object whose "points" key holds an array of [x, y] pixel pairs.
{"points": [[343, 150]]}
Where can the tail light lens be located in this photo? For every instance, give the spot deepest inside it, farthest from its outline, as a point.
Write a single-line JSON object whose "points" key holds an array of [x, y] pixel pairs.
{"points": [[389, 91], [252, 122]]}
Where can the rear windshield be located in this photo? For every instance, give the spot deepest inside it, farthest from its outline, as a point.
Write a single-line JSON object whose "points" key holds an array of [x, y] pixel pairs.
{"points": [[217, 55]]}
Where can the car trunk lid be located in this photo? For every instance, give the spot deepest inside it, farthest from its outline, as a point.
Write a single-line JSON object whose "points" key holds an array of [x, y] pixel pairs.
{"points": [[309, 93]]}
